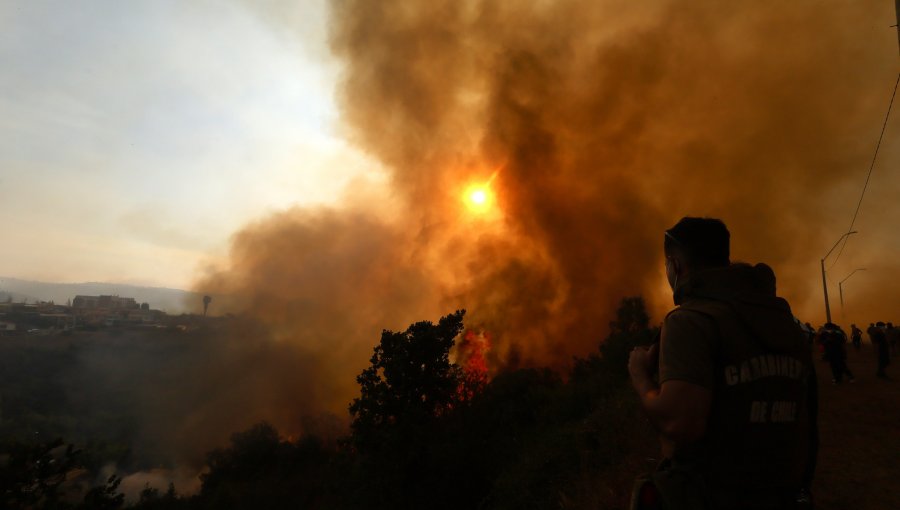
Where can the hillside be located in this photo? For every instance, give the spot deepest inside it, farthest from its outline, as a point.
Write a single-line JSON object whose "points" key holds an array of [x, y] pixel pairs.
{"points": [[156, 402]]}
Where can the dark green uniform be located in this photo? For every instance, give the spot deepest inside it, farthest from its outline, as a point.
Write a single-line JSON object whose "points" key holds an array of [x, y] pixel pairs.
{"points": [[732, 335]]}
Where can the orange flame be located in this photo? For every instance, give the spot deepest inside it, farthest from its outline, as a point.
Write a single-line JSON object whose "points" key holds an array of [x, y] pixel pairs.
{"points": [[471, 352]]}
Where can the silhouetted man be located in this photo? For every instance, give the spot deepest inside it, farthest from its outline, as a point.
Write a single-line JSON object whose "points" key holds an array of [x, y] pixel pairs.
{"points": [[835, 341], [872, 331], [856, 336], [820, 340], [810, 332], [735, 402]]}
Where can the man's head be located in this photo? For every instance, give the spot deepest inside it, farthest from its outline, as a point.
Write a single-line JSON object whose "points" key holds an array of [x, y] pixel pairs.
{"points": [[879, 324], [694, 244]]}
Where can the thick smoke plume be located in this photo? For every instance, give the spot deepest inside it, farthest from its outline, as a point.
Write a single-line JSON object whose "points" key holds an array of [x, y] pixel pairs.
{"points": [[596, 124]]}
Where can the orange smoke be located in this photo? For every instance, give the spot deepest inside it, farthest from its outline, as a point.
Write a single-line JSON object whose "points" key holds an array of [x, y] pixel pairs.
{"points": [[611, 120]]}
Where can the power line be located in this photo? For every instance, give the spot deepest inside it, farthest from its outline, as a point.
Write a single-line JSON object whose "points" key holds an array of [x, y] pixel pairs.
{"points": [[869, 175]]}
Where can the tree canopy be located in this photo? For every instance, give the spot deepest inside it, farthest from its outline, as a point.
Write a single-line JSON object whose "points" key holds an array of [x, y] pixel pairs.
{"points": [[410, 379]]}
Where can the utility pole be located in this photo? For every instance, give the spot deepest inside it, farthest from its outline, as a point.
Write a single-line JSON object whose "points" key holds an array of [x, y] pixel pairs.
{"points": [[824, 281], [897, 9], [841, 283]]}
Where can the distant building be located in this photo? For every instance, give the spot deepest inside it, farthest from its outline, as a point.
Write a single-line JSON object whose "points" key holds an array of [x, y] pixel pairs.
{"points": [[104, 303]]}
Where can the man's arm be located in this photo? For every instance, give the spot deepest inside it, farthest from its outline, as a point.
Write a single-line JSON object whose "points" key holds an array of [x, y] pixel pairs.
{"points": [[678, 409]]}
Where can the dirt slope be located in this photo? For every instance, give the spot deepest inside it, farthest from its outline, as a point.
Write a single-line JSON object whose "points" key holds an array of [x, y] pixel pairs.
{"points": [[859, 456]]}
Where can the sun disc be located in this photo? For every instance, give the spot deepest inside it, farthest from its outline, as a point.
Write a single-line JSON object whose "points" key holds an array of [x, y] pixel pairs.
{"points": [[478, 198]]}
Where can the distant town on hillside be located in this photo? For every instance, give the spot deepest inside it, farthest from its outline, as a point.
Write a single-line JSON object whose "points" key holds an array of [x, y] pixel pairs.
{"points": [[172, 301], [86, 313], [40, 308]]}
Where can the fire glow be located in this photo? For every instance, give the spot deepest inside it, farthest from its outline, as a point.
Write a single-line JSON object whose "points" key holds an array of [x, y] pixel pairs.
{"points": [[471, 354]]}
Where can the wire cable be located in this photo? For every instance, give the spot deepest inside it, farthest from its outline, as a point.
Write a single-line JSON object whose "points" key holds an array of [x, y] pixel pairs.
{"points": [[869, 175]]}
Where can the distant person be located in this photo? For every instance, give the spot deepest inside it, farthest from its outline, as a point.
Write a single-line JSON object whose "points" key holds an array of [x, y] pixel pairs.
{"points": [[871, 332], [835, 341], [856, 336], [810, 332], [820, 341], [893, 337], [735, 402], [879, 339]]}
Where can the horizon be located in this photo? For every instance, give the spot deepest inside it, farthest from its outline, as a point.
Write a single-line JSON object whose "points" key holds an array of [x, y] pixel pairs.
{"points": [[78, 282]]}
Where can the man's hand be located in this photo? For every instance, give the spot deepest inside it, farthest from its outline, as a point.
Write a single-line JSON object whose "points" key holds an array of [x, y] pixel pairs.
{"points": [[642, 363], [678, 409]]}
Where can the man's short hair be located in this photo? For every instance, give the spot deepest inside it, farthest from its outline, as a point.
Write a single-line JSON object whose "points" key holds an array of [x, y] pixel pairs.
{"points": [[704, 242]]}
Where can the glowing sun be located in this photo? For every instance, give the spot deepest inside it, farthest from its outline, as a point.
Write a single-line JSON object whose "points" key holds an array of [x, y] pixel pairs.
{"points": [[478, 198]]}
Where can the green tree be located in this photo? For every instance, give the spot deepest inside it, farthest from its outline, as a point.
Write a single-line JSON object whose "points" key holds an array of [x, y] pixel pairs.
{"points": [[252, 454], [410, 380], [261, 470], [31, 475], [151, 499], [104, 497], [407, 396]]}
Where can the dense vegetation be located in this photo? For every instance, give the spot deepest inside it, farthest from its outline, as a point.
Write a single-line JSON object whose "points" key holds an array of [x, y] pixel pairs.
{"points": [[420, 438]]}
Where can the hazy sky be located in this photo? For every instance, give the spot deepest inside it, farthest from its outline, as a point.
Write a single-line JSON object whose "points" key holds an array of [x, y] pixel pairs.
{"points": [[136, 137]]}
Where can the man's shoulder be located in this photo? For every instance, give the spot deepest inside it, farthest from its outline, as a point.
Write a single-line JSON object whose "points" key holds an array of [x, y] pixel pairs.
{"points": [[697, 310], [690, 319], [687, 347]]}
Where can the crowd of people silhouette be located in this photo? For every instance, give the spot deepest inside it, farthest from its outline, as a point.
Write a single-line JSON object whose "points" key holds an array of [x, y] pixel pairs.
{"points": [[832, 341]]}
